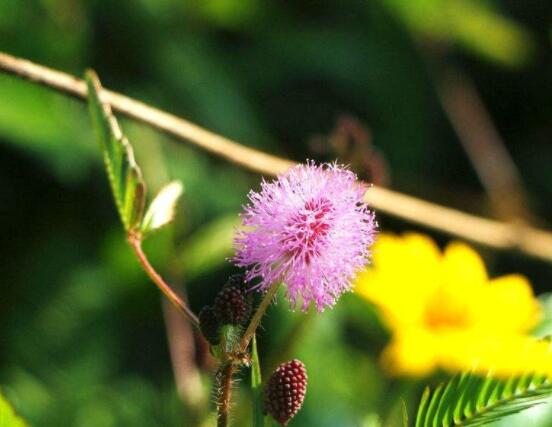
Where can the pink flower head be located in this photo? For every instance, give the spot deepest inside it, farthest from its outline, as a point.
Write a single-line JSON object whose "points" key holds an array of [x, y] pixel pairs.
{"points": [[310, 229]]}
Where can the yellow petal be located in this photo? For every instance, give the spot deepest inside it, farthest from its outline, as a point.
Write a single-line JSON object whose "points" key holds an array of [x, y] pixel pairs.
{"points": [[404, 273], [503, 354], [410, 353], [412, 249], [463, 268], [508, 304], [444, 312]]}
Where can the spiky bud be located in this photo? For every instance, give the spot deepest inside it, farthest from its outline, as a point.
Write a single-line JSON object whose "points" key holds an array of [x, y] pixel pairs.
{"points": [[209, 325], [285, 391], [231, 306]]}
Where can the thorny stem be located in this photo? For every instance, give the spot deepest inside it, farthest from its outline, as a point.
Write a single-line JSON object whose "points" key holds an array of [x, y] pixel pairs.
{"points": [[136, 244], [256, 320], [503, 235], [224, 375], [227, 369]]}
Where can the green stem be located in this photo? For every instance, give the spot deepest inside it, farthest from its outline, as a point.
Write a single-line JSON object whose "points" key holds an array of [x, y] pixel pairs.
{"points": [[136, 244], [256, 386], [256, 320]]}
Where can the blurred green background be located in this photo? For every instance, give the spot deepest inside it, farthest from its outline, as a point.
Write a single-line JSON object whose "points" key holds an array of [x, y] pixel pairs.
{"points": [[393, 87]]}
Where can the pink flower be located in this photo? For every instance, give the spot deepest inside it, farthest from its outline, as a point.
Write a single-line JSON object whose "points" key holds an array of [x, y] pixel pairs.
{"points": [[310, 229]]}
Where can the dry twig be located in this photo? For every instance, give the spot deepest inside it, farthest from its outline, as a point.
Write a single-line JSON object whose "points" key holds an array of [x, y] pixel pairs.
{"points": [[502, 235], [483, 145]]}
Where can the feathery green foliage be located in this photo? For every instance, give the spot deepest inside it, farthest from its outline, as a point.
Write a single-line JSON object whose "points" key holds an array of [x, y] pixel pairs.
{"points": [[471, 400]]}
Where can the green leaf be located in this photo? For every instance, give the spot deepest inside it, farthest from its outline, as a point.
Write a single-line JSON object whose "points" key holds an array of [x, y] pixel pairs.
{"points": [[162, 209], [371, 420], [471, 400], [8, 417], [256, 386], [124, 174]]}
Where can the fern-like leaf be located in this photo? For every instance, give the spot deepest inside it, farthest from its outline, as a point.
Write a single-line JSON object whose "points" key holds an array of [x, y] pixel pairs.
{"points": [[472, 400]]}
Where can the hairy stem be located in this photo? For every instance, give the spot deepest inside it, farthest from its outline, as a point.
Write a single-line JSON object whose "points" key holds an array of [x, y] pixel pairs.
{"points": [[224, 375], [256, 320], [136, 244]]}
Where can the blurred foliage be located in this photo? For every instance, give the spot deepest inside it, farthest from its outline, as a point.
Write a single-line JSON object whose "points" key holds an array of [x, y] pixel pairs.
{"points": [[475, 25], [8, 417], [83, 335]]}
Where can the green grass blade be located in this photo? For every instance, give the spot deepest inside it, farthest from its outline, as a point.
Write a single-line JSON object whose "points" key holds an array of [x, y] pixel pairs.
{"points": [[256, 386], [404, 413]]}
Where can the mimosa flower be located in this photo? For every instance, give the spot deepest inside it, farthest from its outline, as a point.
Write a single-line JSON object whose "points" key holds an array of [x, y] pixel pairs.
{"points": [[445, 313], [310, 229]]}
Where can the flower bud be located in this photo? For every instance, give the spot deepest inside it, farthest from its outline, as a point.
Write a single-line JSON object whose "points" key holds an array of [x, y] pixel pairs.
{"points": [[236, 280], [231, 306], [285, 391]]}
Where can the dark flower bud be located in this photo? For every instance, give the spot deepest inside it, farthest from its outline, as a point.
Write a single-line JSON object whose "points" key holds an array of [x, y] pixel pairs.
{"points": [[231, 306], [237, 281], [285, 391]]}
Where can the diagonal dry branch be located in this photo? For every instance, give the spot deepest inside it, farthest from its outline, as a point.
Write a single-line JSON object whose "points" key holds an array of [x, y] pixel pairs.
{"points": [[529, 240], [483, 145]]}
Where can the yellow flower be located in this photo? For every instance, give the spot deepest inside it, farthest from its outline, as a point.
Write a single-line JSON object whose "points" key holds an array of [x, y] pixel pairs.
{"points": [[444, 312]]}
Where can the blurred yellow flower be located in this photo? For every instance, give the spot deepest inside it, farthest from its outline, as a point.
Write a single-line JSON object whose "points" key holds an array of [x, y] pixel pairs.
{"points": [[445, 313]]}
